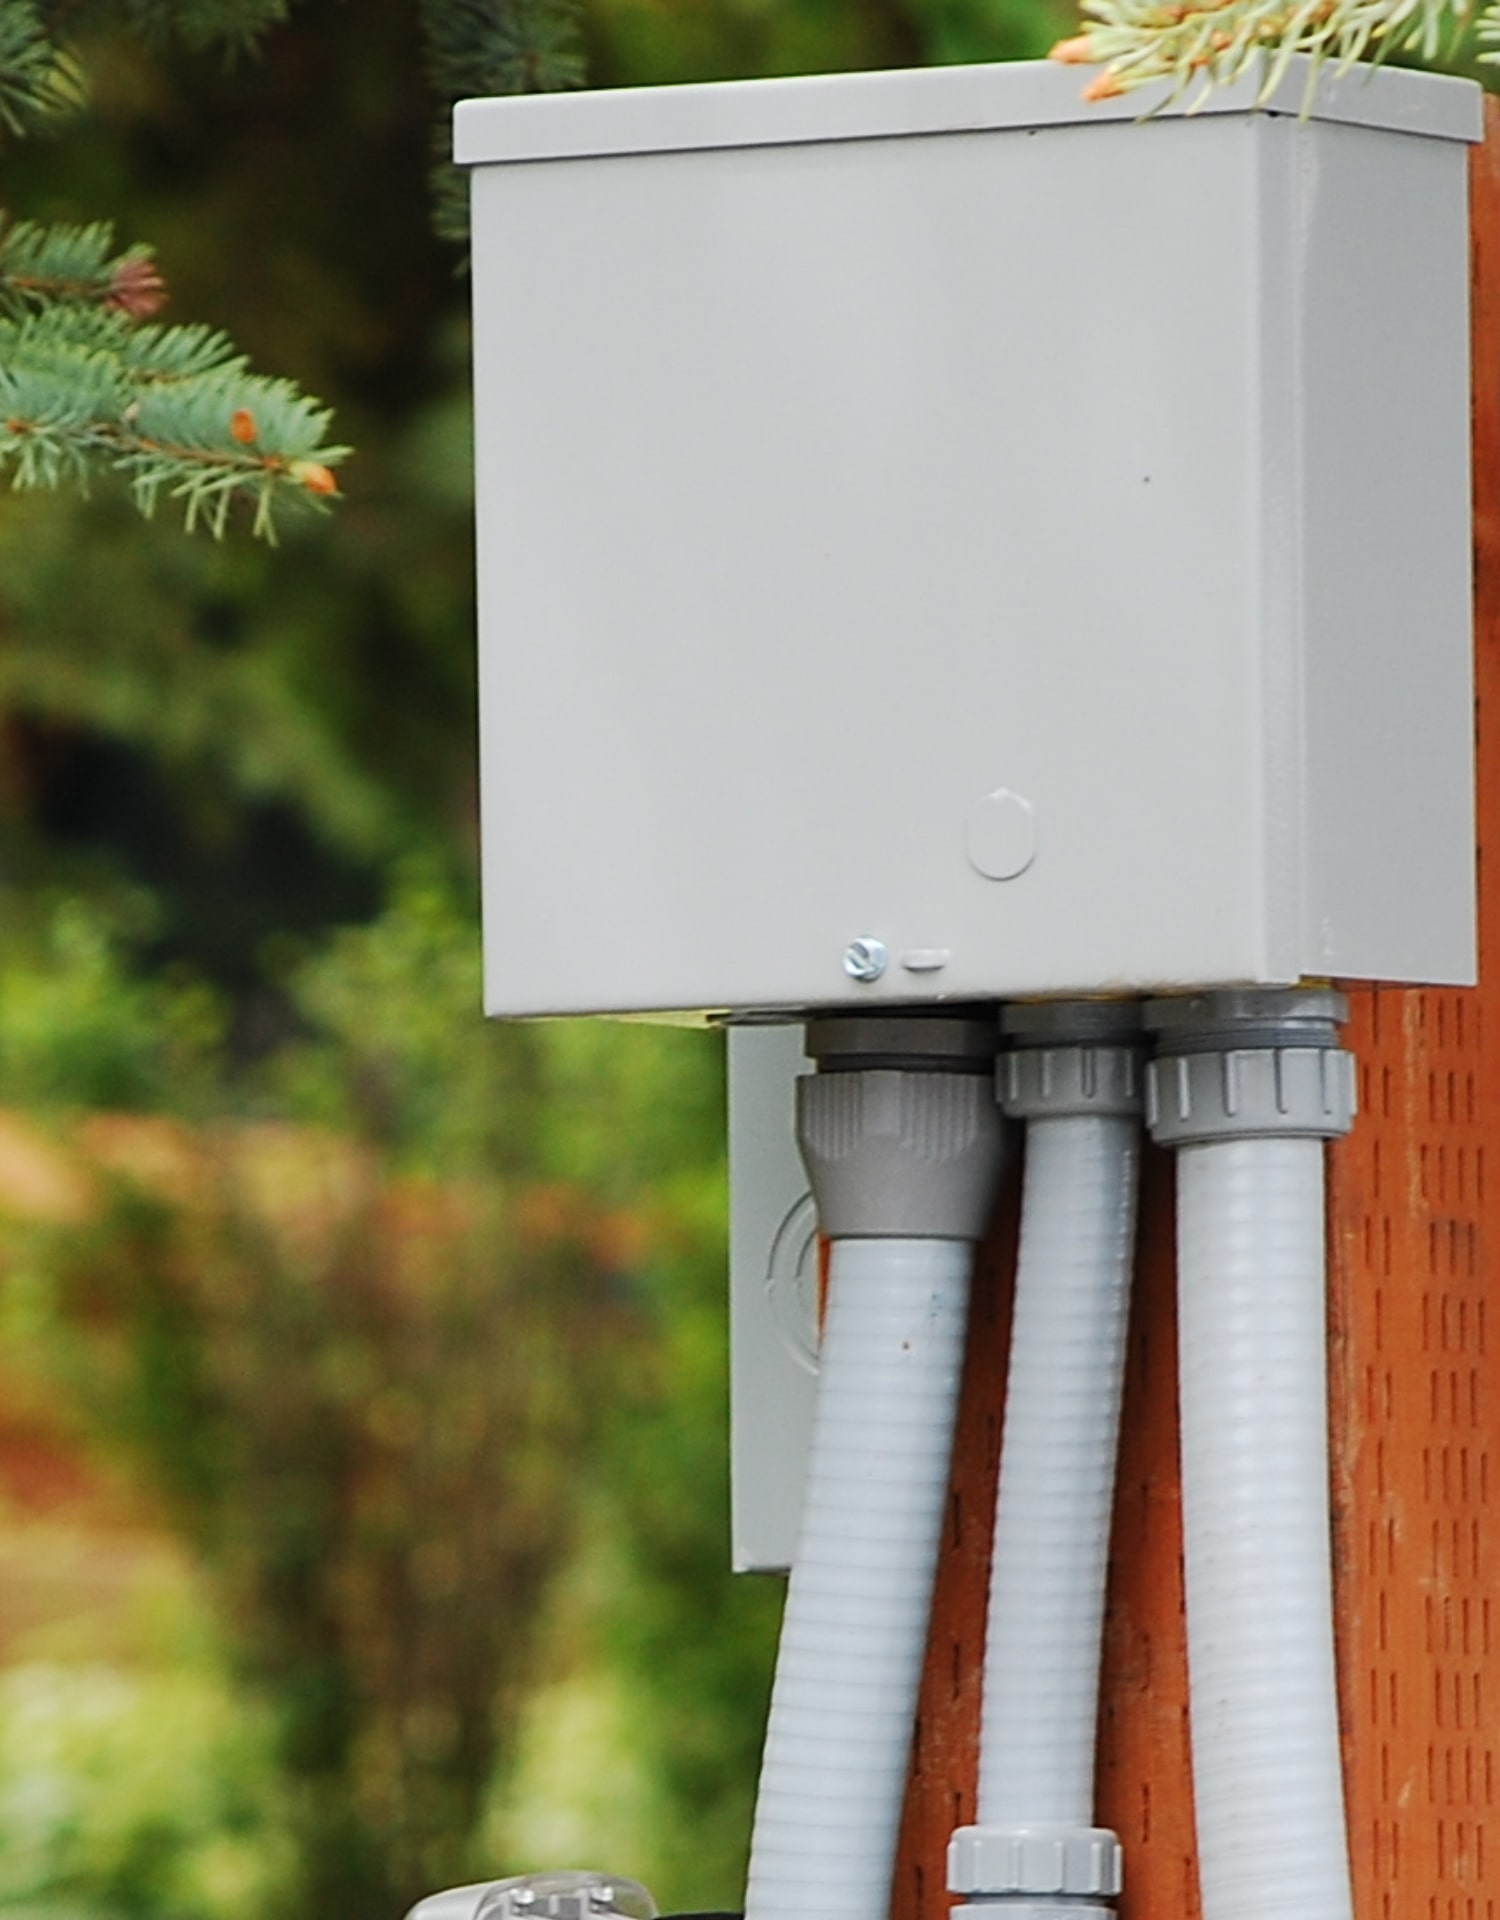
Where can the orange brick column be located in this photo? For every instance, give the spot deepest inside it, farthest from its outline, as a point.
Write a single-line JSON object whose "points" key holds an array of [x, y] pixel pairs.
{"points": [[1415, 1413]]}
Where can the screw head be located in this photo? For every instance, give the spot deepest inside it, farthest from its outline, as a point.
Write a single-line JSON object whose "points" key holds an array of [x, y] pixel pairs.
{"points": [[865, 959]]}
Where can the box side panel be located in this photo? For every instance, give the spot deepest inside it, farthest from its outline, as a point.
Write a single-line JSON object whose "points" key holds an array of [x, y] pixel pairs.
{"points": [[1276, 485], [827, 494], [773, 1298], [1381, 228]]}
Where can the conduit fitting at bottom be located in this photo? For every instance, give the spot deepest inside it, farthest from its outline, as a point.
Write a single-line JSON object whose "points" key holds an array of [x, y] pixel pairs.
{"points": [[1019, 1907], [898, 1128], [1023, 1872], [1249, 1064], [1071, 1059]]}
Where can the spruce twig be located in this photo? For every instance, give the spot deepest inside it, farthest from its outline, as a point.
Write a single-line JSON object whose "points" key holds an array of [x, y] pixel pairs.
{"points": [[38, 84], [40, 266], [483, 47], [502, 46], [174, 410], [1139, 43], [90, 381], [236, 26]]}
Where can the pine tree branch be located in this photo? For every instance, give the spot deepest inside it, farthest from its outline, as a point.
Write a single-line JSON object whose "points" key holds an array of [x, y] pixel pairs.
{"points": [[502, 46], [42, 266], [1217, 42], [1487, 33], [84, 386], [235, 25], [38, 84], [174, 411], [483, 47]]}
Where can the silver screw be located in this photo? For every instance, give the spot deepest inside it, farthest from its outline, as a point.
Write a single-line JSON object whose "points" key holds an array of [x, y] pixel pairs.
{"points": [[523, 1897], [865, 959]]}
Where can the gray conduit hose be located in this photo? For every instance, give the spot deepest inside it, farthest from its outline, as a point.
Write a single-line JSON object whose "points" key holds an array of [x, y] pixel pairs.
{"points": [[902, 1141], [1247, 1087], [1075, 1078]]}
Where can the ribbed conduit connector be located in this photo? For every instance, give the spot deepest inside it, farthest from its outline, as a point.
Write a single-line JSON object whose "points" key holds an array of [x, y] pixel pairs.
{"points": [[1075, 1078], [1248, 1085], [898, 1128], [902, 1141]]}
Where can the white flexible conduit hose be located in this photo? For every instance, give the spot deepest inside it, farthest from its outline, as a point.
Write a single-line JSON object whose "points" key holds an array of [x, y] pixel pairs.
{"points": [[1057, 1474], [1074, 1076], [855, 1628], [1267, 1782], [1248, 1088], [902, 1140]]}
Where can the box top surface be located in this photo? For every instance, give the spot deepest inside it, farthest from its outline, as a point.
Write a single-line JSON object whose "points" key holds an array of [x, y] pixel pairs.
{"points": [[872, 106]]}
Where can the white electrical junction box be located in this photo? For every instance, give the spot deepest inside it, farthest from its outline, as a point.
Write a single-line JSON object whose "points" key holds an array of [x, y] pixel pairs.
{"points": [[923, 509]]}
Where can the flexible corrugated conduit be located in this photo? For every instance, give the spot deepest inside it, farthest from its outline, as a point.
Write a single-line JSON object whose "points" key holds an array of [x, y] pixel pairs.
{"points": [[1075, 1079], [902, 1141], [855, 1628], [1247, 1087]]}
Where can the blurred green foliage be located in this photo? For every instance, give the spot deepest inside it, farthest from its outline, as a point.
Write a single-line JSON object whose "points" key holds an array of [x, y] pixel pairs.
{"points": [[78, 1028], [411, 1328], [134, 1795], [428, 1319], [355, 1358]]}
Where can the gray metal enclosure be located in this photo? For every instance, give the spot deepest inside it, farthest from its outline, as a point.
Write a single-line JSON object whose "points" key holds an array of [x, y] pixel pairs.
{"points": [[924, 509]]}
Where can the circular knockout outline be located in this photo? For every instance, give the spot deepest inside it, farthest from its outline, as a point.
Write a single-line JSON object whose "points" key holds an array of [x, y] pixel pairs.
{"points": [[792, 1283]]}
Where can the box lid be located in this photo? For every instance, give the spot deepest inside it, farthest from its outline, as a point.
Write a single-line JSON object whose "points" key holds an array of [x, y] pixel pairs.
{"points": [[870, 106]]}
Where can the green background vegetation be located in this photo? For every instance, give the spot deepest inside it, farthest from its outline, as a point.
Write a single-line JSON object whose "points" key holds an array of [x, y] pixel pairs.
{"points": [[362, 1370]]}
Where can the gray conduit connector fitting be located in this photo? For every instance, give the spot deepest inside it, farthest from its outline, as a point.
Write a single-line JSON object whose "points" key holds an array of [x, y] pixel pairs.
{"points": [[1249, 1064], [898, 1128], [1072, 1058], [1025, 1873]]}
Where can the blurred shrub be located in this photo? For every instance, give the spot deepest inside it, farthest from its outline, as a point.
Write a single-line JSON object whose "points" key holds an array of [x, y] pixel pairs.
{"points": [[79, 1028], [394, 1048], [356, 1395], [407, 1356], [140, 1795], [369, 1347], [658, 1662]]}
